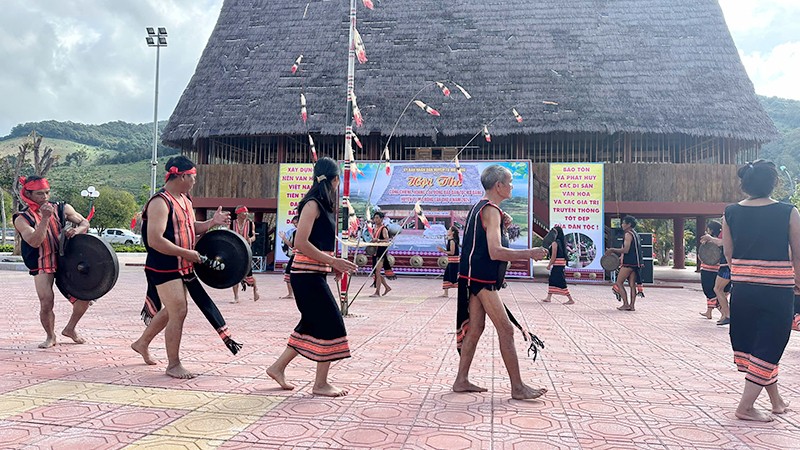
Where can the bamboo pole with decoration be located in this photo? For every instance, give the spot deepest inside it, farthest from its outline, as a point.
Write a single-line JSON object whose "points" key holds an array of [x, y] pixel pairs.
{"points": [[348, 153]]}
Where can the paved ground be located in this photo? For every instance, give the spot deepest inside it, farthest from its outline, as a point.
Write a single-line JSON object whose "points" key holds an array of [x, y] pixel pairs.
{"points": [[658, 378]]}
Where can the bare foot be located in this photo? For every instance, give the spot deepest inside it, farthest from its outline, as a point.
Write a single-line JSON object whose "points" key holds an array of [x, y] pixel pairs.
{"points": [[388, 289], [376, 294], [631, 308], [287, 296], [546, 300], [328, 390], [466, 386], [280, 378], [444, 295], [145, 352], [235, 300], [570, 302], [255, 295], [754, 415], [624, 308], [781, 407], [179, 372], [706, 315], [72, 334], [526, 392], [49, 342]]}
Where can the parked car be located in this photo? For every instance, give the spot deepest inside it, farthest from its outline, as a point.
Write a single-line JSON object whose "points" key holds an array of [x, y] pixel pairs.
{"points": [[120, 236]]}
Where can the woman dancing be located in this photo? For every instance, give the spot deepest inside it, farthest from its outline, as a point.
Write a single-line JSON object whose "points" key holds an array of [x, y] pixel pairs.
{"points": [[557, 283]]}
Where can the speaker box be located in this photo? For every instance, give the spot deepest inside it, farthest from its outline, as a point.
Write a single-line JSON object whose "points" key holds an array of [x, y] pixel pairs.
{"points": [[646, 239], [647, 251], [647, 271], [260, 244]]}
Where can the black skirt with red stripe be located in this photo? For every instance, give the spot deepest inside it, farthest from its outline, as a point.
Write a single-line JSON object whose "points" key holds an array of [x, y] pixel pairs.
{"points": [[557, 281], [320, 335]]}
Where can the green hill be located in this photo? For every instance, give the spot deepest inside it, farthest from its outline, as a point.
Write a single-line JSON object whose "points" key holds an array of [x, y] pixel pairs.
{"points": [[61, 148], [786, 116]]}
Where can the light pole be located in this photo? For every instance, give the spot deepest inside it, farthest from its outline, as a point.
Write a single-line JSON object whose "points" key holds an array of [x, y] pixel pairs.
{"points": [[91, 193], [157, 40]]}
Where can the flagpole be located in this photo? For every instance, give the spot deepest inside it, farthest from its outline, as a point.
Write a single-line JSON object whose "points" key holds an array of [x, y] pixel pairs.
{"points": [[348, 152]]}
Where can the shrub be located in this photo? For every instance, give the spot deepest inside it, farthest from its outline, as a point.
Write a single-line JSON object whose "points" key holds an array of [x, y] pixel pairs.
{"points": [[122, 248], [6, 248]]}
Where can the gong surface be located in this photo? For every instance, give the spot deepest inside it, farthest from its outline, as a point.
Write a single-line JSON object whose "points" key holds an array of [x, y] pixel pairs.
{"points": [[88, 268], [549, 238], [442, 262], [610, 262], [390, 258], [416, 261], [229, 248], [709, 253], [361, 259]]}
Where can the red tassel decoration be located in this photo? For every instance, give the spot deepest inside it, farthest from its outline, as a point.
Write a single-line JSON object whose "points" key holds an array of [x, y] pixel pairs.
{"points": [[516, 115], [303, 111], [357, 112], [422, 218], [356, 140], [313, 148], [459, 171], [426, 108], [358, 44], [444, 89], [486, 134], [387, 159], [296, 64], [463, 91], [368, 4]]}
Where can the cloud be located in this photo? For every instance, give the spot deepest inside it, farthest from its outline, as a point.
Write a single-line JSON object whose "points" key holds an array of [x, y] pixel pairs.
{"points": [[87, 60], [775, 73]]}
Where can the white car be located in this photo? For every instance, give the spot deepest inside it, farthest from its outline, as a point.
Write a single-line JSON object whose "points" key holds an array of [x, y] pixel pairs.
{"points": [[120, 236]]}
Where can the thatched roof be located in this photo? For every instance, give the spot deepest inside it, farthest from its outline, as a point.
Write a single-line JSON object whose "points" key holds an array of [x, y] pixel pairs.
{"points": [[656, 66]]}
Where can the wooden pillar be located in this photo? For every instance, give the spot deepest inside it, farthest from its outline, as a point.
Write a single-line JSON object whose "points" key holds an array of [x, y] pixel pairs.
{"points": [[700, 230], [678, 252], [281, 157]]}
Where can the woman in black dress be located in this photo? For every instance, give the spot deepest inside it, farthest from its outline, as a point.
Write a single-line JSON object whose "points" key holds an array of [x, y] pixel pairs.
{"points": [[557, 282], [757, 234], [452, 251], [320, 336]]}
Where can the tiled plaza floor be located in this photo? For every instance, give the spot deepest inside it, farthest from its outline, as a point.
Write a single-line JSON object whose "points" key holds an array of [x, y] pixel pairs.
{"points": [[658, 378]]}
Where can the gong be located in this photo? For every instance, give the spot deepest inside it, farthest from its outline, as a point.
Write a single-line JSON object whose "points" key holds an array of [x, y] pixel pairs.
{"points": [[390, 258], [416, 261], [87, 269], [227, 258], [549, 238], [361, 259], [610, 262], [709, 253], [442, 262]]}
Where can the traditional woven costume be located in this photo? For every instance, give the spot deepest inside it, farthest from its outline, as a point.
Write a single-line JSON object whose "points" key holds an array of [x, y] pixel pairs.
{"points": [[320, 335], [160, 268], [478, 271], [634, 261], [43, 259], [247, 231], [708, 277], [762, 298], [451, 272], [557, 281], [382, 233]]}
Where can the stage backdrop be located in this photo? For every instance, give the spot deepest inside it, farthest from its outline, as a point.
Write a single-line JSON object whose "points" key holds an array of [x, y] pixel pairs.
{"points": [[293, 183], [576, 204], [446, 201]]}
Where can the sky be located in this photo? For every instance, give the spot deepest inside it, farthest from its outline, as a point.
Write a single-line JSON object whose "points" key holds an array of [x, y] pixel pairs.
{"points": [[87, 60]]}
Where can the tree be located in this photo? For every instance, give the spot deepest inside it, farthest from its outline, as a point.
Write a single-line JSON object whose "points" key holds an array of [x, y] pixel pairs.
{"points": [[113, 209], [42, 162], [77, 158]]}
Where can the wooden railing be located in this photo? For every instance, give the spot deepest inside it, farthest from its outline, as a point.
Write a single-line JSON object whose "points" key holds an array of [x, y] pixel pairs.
{"points": [[237, 181]]}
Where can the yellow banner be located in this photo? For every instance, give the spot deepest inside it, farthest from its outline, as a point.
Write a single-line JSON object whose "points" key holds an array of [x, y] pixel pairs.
{"points": [[294, 180]]}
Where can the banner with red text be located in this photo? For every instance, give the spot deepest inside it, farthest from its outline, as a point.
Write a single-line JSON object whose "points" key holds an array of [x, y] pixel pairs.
{"points": [[576, 204], [294, 180], [445, 198]]}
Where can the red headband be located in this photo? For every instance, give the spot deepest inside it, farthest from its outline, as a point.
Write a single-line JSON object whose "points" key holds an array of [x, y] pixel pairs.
{"points": [[174, 171], [36, 185], [243, 209]]}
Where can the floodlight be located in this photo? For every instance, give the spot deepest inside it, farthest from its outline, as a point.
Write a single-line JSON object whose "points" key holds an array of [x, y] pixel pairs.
{"points": [[151, 31]]}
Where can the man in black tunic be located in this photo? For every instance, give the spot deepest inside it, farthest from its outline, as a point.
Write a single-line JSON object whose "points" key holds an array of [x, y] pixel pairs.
{"points": [[484, 258]]}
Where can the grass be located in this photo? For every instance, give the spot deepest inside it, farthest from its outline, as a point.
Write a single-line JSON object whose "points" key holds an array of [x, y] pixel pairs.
{"points": [[61, 148]]}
